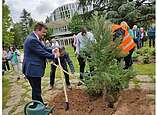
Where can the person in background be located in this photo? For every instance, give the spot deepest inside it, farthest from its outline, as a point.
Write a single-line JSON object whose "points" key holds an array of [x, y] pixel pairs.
{"points": [[125, 25], [151, 36], [136, 36], [142, 36], [73, 42], [34, 62], [128, 58], [54, 43], [15, 60], [47, 44], [127, 45], [83, 37], [5, 63], [64, 58]]}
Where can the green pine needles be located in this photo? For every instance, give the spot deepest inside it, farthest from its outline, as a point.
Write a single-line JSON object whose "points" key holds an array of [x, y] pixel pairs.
{"points": [[109, 75]]}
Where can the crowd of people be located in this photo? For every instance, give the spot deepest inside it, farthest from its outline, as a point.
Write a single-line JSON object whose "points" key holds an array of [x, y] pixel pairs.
{"points": [[140, 36], [12, 56], [37, 53]]}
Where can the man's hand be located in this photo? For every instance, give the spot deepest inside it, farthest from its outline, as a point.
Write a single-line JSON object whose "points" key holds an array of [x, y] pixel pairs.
{"points": [[56, 52], [76, 54], [73, 74]]}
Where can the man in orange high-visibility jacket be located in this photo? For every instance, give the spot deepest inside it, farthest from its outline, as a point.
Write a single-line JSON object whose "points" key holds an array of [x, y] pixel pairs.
{"points": [[127, 45]]}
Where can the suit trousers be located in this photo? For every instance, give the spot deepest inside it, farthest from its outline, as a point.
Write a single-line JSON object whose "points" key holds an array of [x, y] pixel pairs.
{"points": [[35, 83]]}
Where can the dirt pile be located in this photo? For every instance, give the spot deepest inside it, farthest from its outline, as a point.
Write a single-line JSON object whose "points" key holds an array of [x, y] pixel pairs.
{"points": [[130, 102], [133, 102]]}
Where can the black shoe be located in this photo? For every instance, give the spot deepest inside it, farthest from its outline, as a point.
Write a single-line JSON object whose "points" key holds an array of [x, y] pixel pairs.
{"points": [[34, 105], [69, 87], [125, 68], [18, 78], [50, 87], [79, 83]]}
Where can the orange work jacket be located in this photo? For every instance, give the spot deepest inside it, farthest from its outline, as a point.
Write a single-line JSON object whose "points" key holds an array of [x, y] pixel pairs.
{"points": [[127, 43]]}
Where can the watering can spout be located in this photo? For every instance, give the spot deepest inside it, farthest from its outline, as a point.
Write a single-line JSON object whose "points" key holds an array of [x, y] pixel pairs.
{"points": [[37, 108]]}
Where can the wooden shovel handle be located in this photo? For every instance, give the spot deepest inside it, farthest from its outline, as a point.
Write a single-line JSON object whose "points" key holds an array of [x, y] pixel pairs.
{"points": [[65, 71], [63, 80]]}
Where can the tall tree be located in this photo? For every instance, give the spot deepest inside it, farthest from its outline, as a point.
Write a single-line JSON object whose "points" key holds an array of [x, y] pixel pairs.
{"points": [[26, 22], [18, 41], [47, 20], [6, 25], [18, 30], [49, 33], [76, 23], [132, 11], [83, 4]]}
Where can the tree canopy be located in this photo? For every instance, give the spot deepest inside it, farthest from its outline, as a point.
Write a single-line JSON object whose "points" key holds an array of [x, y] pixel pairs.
{"points": [[76, 23], [26, 22], [133, 12], [6, 26]]}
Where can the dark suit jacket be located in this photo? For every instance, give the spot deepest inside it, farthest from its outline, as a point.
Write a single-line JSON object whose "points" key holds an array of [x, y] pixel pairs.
{"points": [[35, 54]]}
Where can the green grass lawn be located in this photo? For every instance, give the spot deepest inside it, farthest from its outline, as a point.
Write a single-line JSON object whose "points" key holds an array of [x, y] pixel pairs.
{"points": [[145, 69], [5, 90]]}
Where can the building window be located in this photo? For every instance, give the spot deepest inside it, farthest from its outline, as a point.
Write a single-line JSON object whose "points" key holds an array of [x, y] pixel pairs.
{"points": [[64, 7], [67, 7], [61, 15], [73, 6]]}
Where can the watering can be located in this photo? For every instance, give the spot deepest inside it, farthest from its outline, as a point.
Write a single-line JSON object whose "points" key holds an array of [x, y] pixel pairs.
{"points": [[39, 109]]}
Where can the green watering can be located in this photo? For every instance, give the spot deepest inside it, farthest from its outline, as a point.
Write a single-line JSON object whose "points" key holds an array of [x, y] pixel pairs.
{"points": [[40, 109]]}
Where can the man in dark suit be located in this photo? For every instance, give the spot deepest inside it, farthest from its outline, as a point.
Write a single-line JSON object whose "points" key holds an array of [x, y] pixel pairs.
{"points": [[34, 63]]}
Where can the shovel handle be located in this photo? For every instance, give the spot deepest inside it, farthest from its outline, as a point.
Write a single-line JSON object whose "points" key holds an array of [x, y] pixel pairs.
{"points": [[66, 71], [64, 85]]}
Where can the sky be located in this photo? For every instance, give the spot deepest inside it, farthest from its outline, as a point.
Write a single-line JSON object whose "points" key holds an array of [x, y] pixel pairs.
{"points": [[39, 9]]}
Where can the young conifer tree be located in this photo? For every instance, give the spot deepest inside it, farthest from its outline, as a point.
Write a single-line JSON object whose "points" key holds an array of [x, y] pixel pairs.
{"points": [[109, 74]]}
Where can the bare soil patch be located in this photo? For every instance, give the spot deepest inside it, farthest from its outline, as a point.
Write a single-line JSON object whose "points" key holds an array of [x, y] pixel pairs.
{"points": [[130, 102]]}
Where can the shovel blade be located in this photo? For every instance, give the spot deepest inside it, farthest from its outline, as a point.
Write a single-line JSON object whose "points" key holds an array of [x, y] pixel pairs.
{"points": [[66, 106]]}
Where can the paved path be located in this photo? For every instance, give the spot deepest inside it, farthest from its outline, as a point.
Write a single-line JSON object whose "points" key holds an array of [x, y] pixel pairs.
{"points": [[20, 92], [146, 83]]}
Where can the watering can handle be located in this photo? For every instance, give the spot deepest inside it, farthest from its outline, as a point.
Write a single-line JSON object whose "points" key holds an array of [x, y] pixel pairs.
{"points": [[30, 103]]}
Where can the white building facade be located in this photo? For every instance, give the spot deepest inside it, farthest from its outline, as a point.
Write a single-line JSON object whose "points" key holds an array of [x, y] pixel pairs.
{"points": [[60, 17]]}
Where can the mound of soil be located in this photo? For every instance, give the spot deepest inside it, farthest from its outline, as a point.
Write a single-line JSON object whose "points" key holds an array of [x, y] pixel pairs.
{"points": [[130, 102], [133, 102]]}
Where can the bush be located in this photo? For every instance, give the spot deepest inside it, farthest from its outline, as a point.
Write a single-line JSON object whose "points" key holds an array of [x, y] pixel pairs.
{"points": [[109, 81], [95, 86], [146, 50], [146, 54], [145, 59]]}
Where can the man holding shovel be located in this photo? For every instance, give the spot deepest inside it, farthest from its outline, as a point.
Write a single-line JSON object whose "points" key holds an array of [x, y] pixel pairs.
{"points": [[64, 59], [34, 62]]}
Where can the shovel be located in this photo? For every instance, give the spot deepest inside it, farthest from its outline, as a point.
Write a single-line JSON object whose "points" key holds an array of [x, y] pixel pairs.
{"points": [[66, 104]]}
